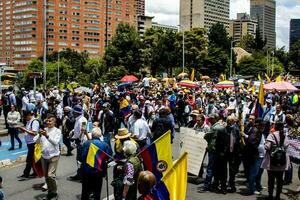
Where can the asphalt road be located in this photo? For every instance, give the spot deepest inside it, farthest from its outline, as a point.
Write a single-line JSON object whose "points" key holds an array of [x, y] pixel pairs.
{"points": [[68, 190]]}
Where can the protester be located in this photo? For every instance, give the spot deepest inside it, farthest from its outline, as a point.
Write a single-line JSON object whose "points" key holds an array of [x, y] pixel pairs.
{"points": [[50, 138], [141, 130], [13, 120], [68, 123], [274, 167], [78, 137], [146, 182], [92, 177], [31, 130], [132, 168]]}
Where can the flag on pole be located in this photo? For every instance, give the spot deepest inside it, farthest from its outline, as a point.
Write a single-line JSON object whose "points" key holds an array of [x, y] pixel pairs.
{"points": [[260, 101], [192, 75], [95, 157], [157, 157], [278, 78], [174, 184], [268, 78]]}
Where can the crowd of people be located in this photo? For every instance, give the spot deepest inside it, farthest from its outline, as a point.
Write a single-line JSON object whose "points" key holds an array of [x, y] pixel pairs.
{"points": [[121, 122]]}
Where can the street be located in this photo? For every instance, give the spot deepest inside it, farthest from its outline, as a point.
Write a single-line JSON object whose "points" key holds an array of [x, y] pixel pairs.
{"points": [[69, 190]]}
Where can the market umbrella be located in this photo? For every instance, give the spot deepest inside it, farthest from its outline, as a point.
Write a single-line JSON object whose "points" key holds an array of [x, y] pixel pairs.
{"points": [[297, 84], [153, 79], [224, 84], [205, 77], [129, 78], [187, 84], [125, 84], [83, 89], [183, 74], [281, 86]]}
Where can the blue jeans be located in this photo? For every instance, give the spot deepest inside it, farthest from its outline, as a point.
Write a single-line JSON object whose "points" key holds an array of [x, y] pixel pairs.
{"points": [[107, 138], [253, 172], [210, 169]]}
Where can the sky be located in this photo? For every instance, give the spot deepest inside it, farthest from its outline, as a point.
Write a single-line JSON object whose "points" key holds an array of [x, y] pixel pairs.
{"points": [[167, 12]]}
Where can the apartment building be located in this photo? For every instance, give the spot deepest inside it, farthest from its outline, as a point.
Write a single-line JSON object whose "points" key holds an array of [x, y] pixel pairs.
{"points": [[76, 24], [203, 13], [242, 26], [265, 13]]}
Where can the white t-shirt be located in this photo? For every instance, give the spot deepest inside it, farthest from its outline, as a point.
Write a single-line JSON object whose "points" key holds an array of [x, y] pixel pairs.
{"points": [[32, 125], [141, 129], [146, 82]]}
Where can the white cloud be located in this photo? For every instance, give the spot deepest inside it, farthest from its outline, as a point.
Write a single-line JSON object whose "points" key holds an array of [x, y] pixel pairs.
{"points": [[167, 12]]}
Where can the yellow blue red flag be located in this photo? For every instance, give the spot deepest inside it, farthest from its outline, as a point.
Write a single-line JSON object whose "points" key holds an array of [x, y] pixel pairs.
{"points": [[192, 75], [173, 185], [157, 157], [95, 157]]}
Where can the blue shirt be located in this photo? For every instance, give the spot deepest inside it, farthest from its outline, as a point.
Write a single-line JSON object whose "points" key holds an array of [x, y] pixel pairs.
{"points": [[85, 149]]}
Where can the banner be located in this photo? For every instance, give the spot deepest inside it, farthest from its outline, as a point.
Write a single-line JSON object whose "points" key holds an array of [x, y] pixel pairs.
{"points": [[193, 142]]}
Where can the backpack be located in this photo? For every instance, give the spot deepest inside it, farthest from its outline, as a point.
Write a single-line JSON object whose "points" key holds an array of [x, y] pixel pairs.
{"points": [[278, 155], [6, 100]]}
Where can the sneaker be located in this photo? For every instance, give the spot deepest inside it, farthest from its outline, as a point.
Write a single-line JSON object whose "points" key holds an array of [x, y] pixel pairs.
{"points": [[11, 149], [257, 193], [45, 187]]}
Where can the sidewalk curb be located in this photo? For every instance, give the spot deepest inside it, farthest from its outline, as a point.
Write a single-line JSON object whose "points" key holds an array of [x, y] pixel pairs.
{"points": [[20, 159]]}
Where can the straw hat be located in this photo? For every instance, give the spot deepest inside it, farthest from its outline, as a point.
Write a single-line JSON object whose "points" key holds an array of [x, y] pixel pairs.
{"points": [[122, 133]]}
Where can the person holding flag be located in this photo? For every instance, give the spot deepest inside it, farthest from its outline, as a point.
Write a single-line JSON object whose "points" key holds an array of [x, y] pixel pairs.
{"points": [[95, 153], [50, 138]]}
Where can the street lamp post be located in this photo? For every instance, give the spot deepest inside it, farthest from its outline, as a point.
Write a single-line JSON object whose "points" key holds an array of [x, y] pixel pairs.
{"points": [[58, 65], [183, 52], [44, 43], [231, 47]]}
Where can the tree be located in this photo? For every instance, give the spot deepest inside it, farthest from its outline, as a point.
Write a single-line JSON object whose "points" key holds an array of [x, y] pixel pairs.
{"points": [[257, 64], [295, 54], [115, 73], [258, 43], [196, 46], [71, 57], [216, 62], [283, 57], [159, 50], [218, 37], [124, 49], [246, 42]]}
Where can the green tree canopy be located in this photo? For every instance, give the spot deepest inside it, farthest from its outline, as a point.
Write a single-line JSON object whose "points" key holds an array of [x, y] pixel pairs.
{"points": [[295, 54], [124, 49], [196, 46], [218, 37], [246, 42]]}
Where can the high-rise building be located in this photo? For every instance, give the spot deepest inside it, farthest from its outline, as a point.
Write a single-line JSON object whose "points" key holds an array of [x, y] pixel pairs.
{"points": [[145, 22], [242, 26], [265, 13], [294, 31], [140, 7], [203, 13], [76, 24]]}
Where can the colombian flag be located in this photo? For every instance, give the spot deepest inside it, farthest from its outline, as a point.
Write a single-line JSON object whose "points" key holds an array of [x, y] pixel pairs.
{"points": [[173, 185], [95, 157], [37, 162], [192, 75], [260, 101], [125, 108], [157, 157]]}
